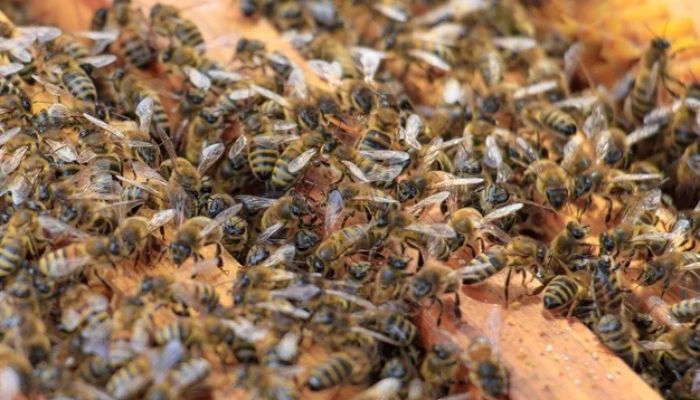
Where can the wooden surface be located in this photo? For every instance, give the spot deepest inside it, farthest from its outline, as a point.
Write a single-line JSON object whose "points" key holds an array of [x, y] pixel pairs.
{"points": [[548, 358]]}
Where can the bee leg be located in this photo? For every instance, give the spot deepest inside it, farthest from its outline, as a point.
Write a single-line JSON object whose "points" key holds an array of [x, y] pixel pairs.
{"points": [[458, 308], [441, 310], [471, 249], [608, 209], [507, 285], [219, 259]]}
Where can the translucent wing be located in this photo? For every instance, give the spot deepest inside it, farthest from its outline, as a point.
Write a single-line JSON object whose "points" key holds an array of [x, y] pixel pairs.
{"points": [[108, 35], [100, 61], [409, 133], [331, 72], [271, 95], [237, 148], [367, 60], [10, 165], [228, 76], [298, 83], [384, 174], [63, 150], [282, 255], [144, 171], [241, 94], [168, 144], [391, 156], [334, 209], [50, 87], [492, 327], [57, 228], [515, 43], [300, 162], [453, 92], [572, 58], [636, 177], [270, 232], [11, 68], [455, 182], [642, 133], [662, 114], [430, 59], [578, 102], [284, 308], [380, 337], [493, 157], [171, 355], [283, 125], [455, 9], [161, 218], [301, 292], [446, 33], [503, 211], [101, 124], [253, 203], [220, 219], [144, 111], [534, 89], [595, 123], [570, 151], [210, 155], [9, 134], [437, 198], [355, 171], [41, 34], [435, 230], [392, 11], [198, 79]]}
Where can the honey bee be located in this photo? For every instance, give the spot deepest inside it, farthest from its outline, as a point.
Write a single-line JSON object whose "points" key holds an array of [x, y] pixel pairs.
{"points": [[351, 365], [19, 368], [485, 370], [180, 378], [666, 266], [198, 232], [617, 334], [132, 93], [62, 263], [551, 182], [432, 282], [234, 171], [565, 292], [262, 153], [439, 368], [416, 186], [686, 310], [291, 162], [278, 214], [393, 325], [652, 70], [326, 257], [132, 235], [676, 349], [18, 241], [185, 31], [550, 118], [203, 131]]}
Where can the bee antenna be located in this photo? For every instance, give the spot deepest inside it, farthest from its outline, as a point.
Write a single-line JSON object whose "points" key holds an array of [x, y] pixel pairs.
{"points": [[653, 34]]}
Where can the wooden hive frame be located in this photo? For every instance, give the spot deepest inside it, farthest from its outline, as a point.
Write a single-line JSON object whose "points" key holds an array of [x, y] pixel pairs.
{"points": [[548, 357]]}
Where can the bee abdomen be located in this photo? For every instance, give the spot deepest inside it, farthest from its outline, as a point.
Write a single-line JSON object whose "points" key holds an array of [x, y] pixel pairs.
{"points": [[188, 33], [262, 161], [335, 370], [560, 293], [375, 140], [80, 85], [12, 252]]}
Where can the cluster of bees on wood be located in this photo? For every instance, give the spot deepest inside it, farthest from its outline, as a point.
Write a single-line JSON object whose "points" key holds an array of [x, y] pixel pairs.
{"points": [[350, 207]]}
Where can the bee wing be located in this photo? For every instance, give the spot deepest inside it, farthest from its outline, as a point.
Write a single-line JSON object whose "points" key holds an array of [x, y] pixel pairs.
{"points": [[288, 346], [436, 198], [10, 165], [623, 177], [41, 34], [534, 89], [647, 201], [691, 266], [572, 58], [220, 219], [11, 68], [455, 9], [623, 86], [570, 151], [351, 298], [86, 156], [642, 133], [493, 157], [662, 114], [576, 102], [656, 345], [107, 127], [526, 147], [223, 75], [298, 83], [603, 144], [300, 162], [331, 72], [284, 308], [269, 232], [301, 292], [281, 255], [144, 111], [430, 59], [383, 198], [334, 209], [453, 92], [254, 203], [435, 230], [409, 133], [390, 156], [515, 44], [367, 60], [62, 149], [198, 79], [58, 228], [374, 334], [244, 328], [502, 212], [9, 134], [99, 61], [271, 95], [381, 174], [392, 11], [495, 231], [160, 219], [51, 88], [283, 125], [144, 171], [241, 94], [210, 155], [168, 144], [166, 359], [446, 33], [595, 122], [355, 171], [453, 182], [108, 35], [237, 148], [19, 187]]}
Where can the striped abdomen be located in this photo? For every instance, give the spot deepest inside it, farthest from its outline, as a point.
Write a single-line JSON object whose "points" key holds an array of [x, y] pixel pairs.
{"points": [[136, 50], [188, 33], [335, 370], [484, 266], [262, 158], [559, 121], [79, 84], [12, 253], [560, 293]]}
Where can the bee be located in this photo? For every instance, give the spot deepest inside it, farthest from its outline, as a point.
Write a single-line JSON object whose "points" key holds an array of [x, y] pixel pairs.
{"points": [[18, 241], [677, 349], [381, 127], [652, 69], [686, 175], [234, 171], [551, 182], [198, 232], [62, 263], [180, 378], [569, 244], [485, 370], [617, 334], [666, 266], [305, 243], [390, 280], [351, 365], [328, 48], [647, 328], [349, 240], [393, 325], [15, 94], [363, 169], [550, 118], [434, 281], [607, 287], [132, 235], [133, 92], [134, 48], [262, 154], [266, 382], [203, 131], [417, 186], [686, 310], [278, 214], [439, 367], [185, 31], [565, 292], [291, 162]]}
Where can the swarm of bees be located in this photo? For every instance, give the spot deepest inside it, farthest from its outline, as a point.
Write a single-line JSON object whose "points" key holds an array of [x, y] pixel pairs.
{"points": [[452, 142]]}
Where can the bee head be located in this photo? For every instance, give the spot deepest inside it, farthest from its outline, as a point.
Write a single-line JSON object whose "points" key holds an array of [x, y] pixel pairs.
{"points": [[557, 197]]}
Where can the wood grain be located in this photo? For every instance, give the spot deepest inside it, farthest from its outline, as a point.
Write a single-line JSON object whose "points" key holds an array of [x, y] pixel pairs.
{"points": [[548, 357]]}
